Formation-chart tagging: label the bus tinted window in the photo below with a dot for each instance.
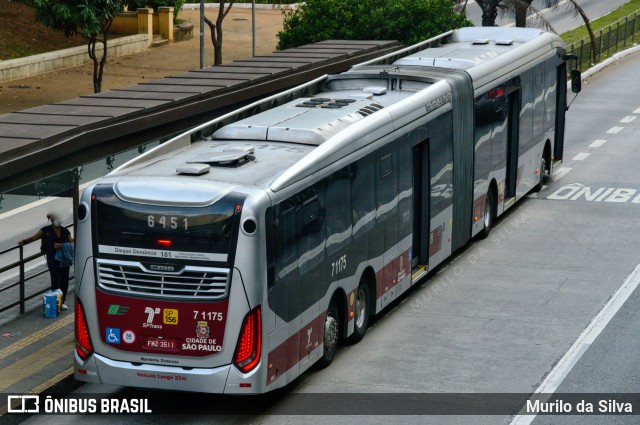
(364, 196)
(387, 187)
(286, 238)
(338, 217)
(120, 224)
(311, 223)
(441, 154)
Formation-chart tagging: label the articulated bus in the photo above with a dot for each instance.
(239, 254)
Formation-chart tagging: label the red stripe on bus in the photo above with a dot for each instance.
(295, 348)
(391, 274)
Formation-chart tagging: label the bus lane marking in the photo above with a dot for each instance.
(560, 173)
(615, 130)
(628, 119)
(578, 191)
(558, 374)
(597, 143)
(581, 156)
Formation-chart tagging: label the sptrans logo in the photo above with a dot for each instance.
(69, 405)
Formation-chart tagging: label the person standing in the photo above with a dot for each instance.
(53, 236)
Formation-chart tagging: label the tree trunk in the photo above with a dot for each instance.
(98, 80)
(489, 12)
(92, 54)
(521, 12)
(587, 23)
(216, 31)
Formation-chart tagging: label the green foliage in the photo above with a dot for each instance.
(86, 17)
(408, 21)
(91, 18)
(155, 4)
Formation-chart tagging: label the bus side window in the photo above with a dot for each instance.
(286, 233)
(538, 101)
(387, 184)
(363, 211)
(550, 81)
(338, 211)
(311, 223)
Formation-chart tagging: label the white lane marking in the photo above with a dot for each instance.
(597, 143)
(637, 111)
(628, 119)
(584, 341)
(614, 130)
(581, 156)
(561, 172)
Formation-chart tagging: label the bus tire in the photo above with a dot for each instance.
(543, 168)
(362, 312)
(489, 215)
(331, 335)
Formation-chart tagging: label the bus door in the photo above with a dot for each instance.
(421, 195)
(513, 130)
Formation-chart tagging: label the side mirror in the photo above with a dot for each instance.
(576, 81)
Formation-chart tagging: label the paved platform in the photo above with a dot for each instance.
(36, 353)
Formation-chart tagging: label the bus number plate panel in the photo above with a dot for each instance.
(161, 344)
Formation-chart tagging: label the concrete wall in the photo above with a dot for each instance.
(143, 21)
(15, 69)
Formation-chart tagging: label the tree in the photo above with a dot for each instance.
(89, 18)
(524, 6)
(408, 21)
(216, 30)
(489, 11)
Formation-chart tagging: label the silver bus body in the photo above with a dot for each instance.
(330, 199)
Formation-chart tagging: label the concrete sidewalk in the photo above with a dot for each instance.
(36, 353)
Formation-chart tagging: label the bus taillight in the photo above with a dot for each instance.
(249, 346)
(83, 341)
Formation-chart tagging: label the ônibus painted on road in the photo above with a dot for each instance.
(234, 257)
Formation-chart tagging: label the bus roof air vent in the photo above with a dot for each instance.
(323, 102)
(369, 109)
(480, 41)
(503, 42)
(375, 90)
(193, 169)
(227, 157)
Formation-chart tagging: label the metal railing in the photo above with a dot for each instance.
(608, 41)
(24, 277)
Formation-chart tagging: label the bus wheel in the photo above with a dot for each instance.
(362, 311)
(543, 167)
(488, 215)
(331, 335)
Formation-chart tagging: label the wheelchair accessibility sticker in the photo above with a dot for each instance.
(113, 336)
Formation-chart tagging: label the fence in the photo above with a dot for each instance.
(608, 41)
(21, 265)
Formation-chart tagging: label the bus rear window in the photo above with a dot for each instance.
(121, 224)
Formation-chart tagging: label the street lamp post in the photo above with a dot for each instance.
(201, 34)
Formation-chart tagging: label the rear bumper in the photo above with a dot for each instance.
(99, 369)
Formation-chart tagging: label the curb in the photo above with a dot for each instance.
(609, 61)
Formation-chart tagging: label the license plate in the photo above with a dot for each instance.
(160, 343)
